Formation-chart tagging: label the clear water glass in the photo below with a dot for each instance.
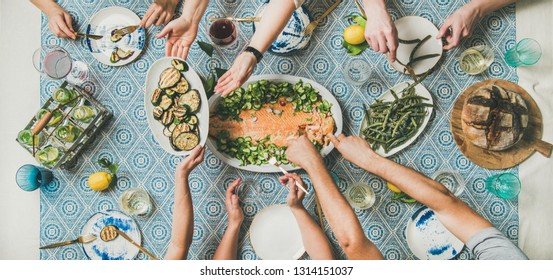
(451, 180)
(30, 177)
(526, 52)
(136, 201)
(476, 60)
(55, 63)
(360, 196)
(357, 71)
(505, 185)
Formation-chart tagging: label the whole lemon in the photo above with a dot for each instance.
(354, 34)
(393, 188)
(99, 181)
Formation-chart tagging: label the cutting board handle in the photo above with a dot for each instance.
(543, 147)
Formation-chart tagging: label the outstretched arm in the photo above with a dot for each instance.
(275, 17)
(228, 248)
(183, 213)
(340, 216)
(380, 30)
(60, 22)
(461, 23)
(315, 241)
(182, 31)
(452, 212)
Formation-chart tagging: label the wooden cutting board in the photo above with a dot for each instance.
(530, 142)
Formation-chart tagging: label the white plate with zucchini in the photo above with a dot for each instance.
(176, 106)
(397, 118)
(115, 50)
(254, 123)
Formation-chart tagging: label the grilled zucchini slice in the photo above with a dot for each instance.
(156, 96)
(180, 112)
(190, 99)
(192, 120)
(158, 112)
(124, 54)
(115, 37)
(173, 145)
(169, 77)
(182, 86)
(114, 58)
(167, 118)
(166, 102)
(167, 132)
(170, 92)
(186, 141)
(179, 65)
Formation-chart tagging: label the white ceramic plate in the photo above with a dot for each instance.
(152, 79)
(413, 27)
(387, 96)
(428, 239)
(267, 168)
(275, 234)
(117, 249)
(105, 21)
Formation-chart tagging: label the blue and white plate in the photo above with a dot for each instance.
(290, 39)
(117, 249)
(103, 23)
(428, 239)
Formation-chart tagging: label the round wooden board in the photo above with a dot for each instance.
(498, 159)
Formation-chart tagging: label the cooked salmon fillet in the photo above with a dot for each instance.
(280, 123)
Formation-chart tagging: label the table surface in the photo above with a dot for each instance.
(67, 204)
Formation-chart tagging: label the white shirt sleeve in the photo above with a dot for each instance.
(298, 3)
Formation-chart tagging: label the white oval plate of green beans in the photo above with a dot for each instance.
(397, 118)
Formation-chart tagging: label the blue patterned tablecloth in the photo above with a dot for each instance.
(67, 203)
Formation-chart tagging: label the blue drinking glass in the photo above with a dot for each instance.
(505, 185)
(526, 52)
(30, 177)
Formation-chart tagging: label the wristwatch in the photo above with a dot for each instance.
(258, 55)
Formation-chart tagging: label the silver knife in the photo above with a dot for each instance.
(125, 30)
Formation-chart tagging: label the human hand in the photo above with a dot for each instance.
(295, 194)
(380, 31)
(60, 22)
(302, 152)
(191, 161)
(180, 33)
(459, 25)
(239, 72)
(353, 148)
(235, 213)
(160, 12)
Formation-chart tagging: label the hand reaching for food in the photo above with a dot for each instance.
(60, 22)
(295, 194)
(180, 34)
(459, 25)
(235, 213)
(238, 74)
(160, 12)
(380, 31)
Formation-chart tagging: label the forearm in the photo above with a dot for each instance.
(194, 10)
(454, 214)
(272, 23)
(315, 241)
(340, 216)
(484, 7)
(372, 4)
(228, 248)
(183, 220)
(45, 5)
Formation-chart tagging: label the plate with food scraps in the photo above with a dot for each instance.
(111, 49)
(409, 115)
(116, 249)
(428, 239)
(176, 106)
(418, 45)
(254, 123)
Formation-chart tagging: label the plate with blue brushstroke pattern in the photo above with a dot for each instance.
(117, 249)
(428, 239)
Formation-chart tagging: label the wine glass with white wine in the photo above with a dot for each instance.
(476, 60)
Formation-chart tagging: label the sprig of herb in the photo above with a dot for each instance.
(214, 72)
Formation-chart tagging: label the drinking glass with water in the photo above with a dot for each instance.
(526, 52)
